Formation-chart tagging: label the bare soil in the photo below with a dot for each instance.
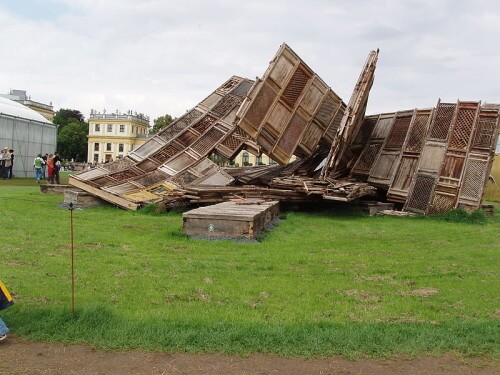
(18, 356)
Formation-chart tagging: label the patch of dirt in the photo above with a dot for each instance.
(21, 357)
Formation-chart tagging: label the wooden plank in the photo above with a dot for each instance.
(103, 194)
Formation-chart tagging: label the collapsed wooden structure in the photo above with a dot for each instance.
(427, 160)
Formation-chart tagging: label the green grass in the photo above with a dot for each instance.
(322, 282)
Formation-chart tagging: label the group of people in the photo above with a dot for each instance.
(47, 167)
(6, 162)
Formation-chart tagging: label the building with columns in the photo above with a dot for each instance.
(113, 135)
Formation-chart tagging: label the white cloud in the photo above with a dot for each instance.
(158, 57)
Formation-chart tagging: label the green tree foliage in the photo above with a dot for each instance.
(160, 123)
(71, 134)
(64, 116)
(72, 141)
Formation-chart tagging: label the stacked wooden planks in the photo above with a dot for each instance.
(232, 219)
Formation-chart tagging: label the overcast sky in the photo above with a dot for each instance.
(161, 56)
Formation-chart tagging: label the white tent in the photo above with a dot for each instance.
(27, 132)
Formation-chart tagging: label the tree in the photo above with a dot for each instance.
(160, 123)
(72, 141)
(64, 116)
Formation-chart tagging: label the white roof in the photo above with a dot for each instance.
(12, 108)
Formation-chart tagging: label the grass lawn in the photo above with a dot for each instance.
(323, 282)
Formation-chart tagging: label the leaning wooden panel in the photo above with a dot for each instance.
(337, 159)
(450, 174)
(471, 191)
(398, 191)
(480, 158)
(188, 140)
(385, 166)
(420, 195)
(285, 105)
(412, 147)
(369, 155)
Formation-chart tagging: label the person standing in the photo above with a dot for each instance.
(37, 164)
(50, 169)
(5, 301)
(11, 162)
(6, 162)
(44, 157)
(57, 167)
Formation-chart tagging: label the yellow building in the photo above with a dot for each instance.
(112, 136)
(492, 191)
(46, 110)
(245, 158)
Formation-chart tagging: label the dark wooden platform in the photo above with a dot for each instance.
(232, 219)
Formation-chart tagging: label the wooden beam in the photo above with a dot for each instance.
(123, 203)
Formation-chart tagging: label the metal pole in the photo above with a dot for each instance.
(72, 262)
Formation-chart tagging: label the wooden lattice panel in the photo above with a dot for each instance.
(179, 125)
(290, 137)
(442, 203)
(296, 85)
(398, 132)
(229, 85)
(202, 125)
(165, 154)
(332, 129)
(366, 159)
(421, 194)
(462, 129)
(485, 133)
(226, 104)
(242, 89)
(125, 174)
(473, 181)
(326, 111)
(152, 178)
(208, 142)
(416, 137)
(117, 165)
(235, 139)
(442, 121)
(258, 108)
